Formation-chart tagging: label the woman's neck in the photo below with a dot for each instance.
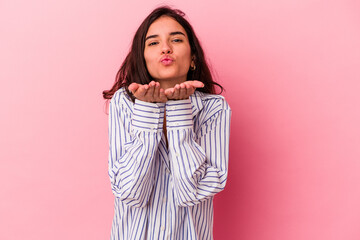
(169, 83)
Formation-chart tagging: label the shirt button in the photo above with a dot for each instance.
(162, 228)
(177, 124)
(176, 154)
(167, 171)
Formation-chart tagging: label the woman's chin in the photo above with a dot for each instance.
(171, 77)
(169, 81)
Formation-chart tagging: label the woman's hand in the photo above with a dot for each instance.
(183, 90)
(148, 93)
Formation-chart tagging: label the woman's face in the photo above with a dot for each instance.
(167, 51)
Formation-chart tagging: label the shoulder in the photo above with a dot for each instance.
(208, 108)
(120, 95)
(209, 102)
(121, 99)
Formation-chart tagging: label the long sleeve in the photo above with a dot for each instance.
(134, 135)
(199, 160)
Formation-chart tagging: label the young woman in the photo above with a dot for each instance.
(168, 135)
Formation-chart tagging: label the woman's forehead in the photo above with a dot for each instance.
(165, 25)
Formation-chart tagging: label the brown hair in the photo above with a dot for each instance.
(133, 69)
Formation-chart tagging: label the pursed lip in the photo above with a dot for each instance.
(166, 58)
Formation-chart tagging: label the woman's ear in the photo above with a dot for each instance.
(193, 58)
(192, 64)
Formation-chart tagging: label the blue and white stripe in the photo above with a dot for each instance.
(160, 192)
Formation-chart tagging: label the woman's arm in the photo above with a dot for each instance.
(199, 161)
(134, 136)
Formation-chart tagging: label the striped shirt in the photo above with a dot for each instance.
(167, 192)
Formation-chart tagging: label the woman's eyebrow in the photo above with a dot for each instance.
(171, 34)
(175, 33)
(151, 36)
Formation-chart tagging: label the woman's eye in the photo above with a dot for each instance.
(152, 43)
(177, 40)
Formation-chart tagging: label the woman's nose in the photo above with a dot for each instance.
(166, 49)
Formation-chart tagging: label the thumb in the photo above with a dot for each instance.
(197, 84)
(133, 87)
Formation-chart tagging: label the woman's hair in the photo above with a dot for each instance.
(134, 68)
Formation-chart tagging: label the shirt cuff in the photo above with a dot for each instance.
(179, 114)
(148, 116)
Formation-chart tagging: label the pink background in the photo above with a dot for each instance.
(292, 73)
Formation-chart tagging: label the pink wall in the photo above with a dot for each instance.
(291, 70)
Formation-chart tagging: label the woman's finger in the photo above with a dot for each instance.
(162, 95)
(150, 92)
(189, 89)
(176, 92)
(196, 84)
(182, 91)
(140, 93)
(169, 93)
(157, 91)
(133, 87)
